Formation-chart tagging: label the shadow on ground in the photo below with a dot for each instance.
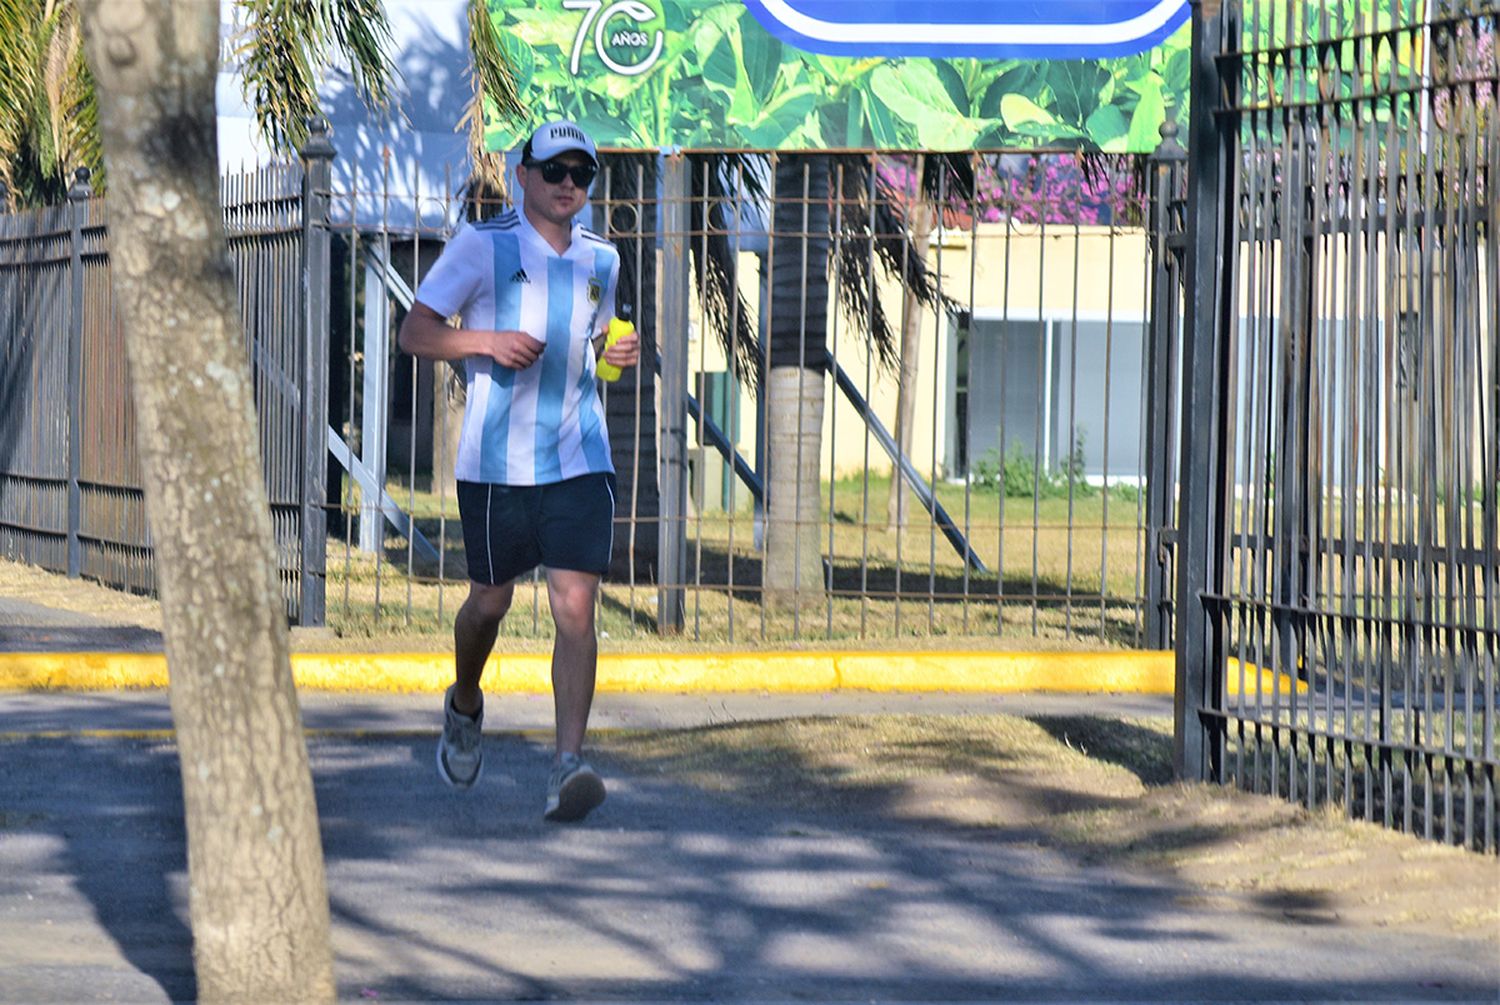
(676, 891)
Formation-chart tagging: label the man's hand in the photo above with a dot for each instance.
(515, 349)
(626, 352)
(425, 333)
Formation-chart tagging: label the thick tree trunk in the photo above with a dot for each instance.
(898, 501)
(795, 391)
(258, 901)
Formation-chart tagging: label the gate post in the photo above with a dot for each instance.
(1197, 749)
(317, 170)
(1165, 168)
(675, 221)
(78, 207)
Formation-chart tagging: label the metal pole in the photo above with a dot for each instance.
(1166, 303)
(78, 197)
(317, 160)
(373, 423)
(673, 341)
(1200, 643)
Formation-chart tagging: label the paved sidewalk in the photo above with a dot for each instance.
(57, 713)
(31, 627)
(666, 893)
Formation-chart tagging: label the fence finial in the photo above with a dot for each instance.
(318, 144)
(80, 188)
(1169, 149)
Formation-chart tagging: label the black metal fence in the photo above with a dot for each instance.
(70, 489)
(983, 336)
(1339, 582)
(1008, 391)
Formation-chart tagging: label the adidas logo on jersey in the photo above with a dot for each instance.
(520, 276)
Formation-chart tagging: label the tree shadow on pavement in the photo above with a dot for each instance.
(677, 891)
(110, 816)
(695, 881)
(1144, 752)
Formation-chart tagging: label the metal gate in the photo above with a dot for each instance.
(71, 498)
(1339, 560)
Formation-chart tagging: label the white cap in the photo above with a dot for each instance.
(553, 138)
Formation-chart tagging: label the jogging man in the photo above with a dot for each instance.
(535, 292)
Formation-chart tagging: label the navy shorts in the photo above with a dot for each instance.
(511, 529)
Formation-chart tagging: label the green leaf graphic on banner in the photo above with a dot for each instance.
(915, 94)
(1019, 111)
(1106, 126)
(706, 74)
(1150, 113)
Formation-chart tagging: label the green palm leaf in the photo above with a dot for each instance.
(47, 111)
(286, 43)
(49, 119)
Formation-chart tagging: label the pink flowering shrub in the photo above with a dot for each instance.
(1056, 189)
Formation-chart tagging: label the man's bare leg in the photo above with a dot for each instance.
(474, 630)
(575, 653)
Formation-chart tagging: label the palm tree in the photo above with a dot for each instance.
(834, 218)
(794, 388)
(48, 118)
(48, 115)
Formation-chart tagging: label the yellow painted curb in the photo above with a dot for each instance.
(1131, 671)
(81, 671)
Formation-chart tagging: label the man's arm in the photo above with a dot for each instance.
(425, 333)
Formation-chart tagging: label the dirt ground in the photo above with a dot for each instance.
(1101, 788)
(19, 581)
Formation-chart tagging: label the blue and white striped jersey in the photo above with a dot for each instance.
(545, 423)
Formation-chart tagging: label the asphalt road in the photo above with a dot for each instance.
(666, 893)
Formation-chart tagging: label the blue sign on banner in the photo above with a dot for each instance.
(986, 29)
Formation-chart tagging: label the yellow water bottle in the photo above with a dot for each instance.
(618, 329)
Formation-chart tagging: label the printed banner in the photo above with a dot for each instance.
(848, 74)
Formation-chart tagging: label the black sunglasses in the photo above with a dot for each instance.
(553, 172)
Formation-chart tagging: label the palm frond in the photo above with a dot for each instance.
(48, 118)
(494, 87)
(72, 111)
(724, 184)
(490, 72)
(948, 177)
(873, 228)
(285, 43)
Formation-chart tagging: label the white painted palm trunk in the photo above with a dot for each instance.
(794, 526)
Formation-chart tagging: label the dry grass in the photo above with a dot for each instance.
(888, 587)
(1099, 788)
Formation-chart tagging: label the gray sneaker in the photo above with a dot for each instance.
(573, 791)
(459, 756)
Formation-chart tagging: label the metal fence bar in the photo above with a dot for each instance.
(1355, 398)
(317, 159)
(78, 196)
(1016, 237)
(1200, 654)
(673, 339)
